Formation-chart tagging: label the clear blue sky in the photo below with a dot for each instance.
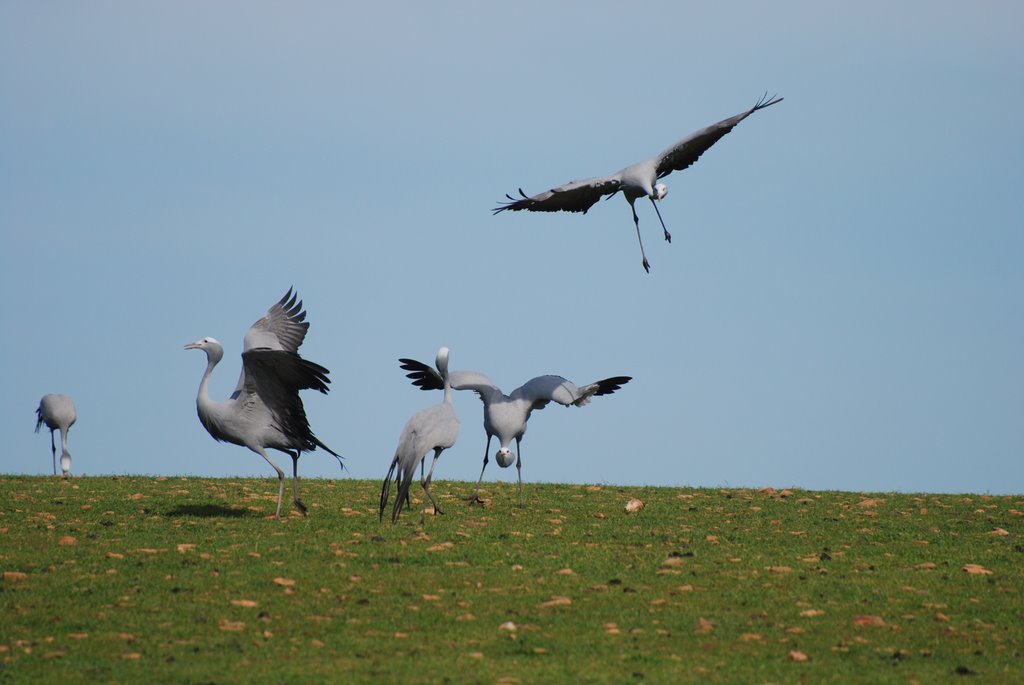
(842, 305)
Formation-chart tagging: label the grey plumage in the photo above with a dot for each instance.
(265, 410)
(506, 416)
(435, 428)
(58, 413)
(634, 181)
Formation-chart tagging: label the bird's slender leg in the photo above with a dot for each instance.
(636, 222)
(53, 449)
(280, 478)
(295, 482)
(408, 497)
(64, 451)
(519, 472)
(430, 476)
(668, 236)
(475, 499)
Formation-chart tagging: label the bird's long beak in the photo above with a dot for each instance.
(192, 346)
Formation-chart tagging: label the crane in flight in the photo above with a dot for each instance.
(505, 416)
(58, 413)
(265, 410)
(635, 181)
(434, 428)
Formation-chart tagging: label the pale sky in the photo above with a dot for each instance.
(842, 305)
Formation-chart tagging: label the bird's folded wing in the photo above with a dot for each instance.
(575, 196)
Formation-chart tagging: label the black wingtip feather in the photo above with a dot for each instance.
(386, 488)
(610, 385)
(422, 375)
(766, 101)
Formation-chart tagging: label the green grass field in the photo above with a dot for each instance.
(187, 580)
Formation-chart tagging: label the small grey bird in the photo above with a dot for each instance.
(505, 416)
(434, 428)
(635, 181)
(265, 410)
(58, 413)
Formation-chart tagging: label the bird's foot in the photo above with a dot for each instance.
(474, 499)
(668, 237)
(647, 266)
(438, 511)
(300, 506)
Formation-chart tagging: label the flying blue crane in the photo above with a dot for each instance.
(635, 181)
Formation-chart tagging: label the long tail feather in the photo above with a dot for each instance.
(385, 488)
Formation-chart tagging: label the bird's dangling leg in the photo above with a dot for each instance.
(636, 222)
(295, 483)
(53, 449)
(668, 236)
(475, 498)
(519, 472)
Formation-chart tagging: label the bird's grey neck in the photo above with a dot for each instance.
(205, 406)
(204, 384)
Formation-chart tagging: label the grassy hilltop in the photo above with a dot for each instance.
(186, 580)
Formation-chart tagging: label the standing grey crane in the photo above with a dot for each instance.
(58, 413)
(635, 181)
(265, 410)
(505, 416)
(434, 428)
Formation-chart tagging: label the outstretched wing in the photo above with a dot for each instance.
(426, 377)
(575, 196)
(543, 389)
(602, 387)
(689, 149)
(283, 327)
(275, 377)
